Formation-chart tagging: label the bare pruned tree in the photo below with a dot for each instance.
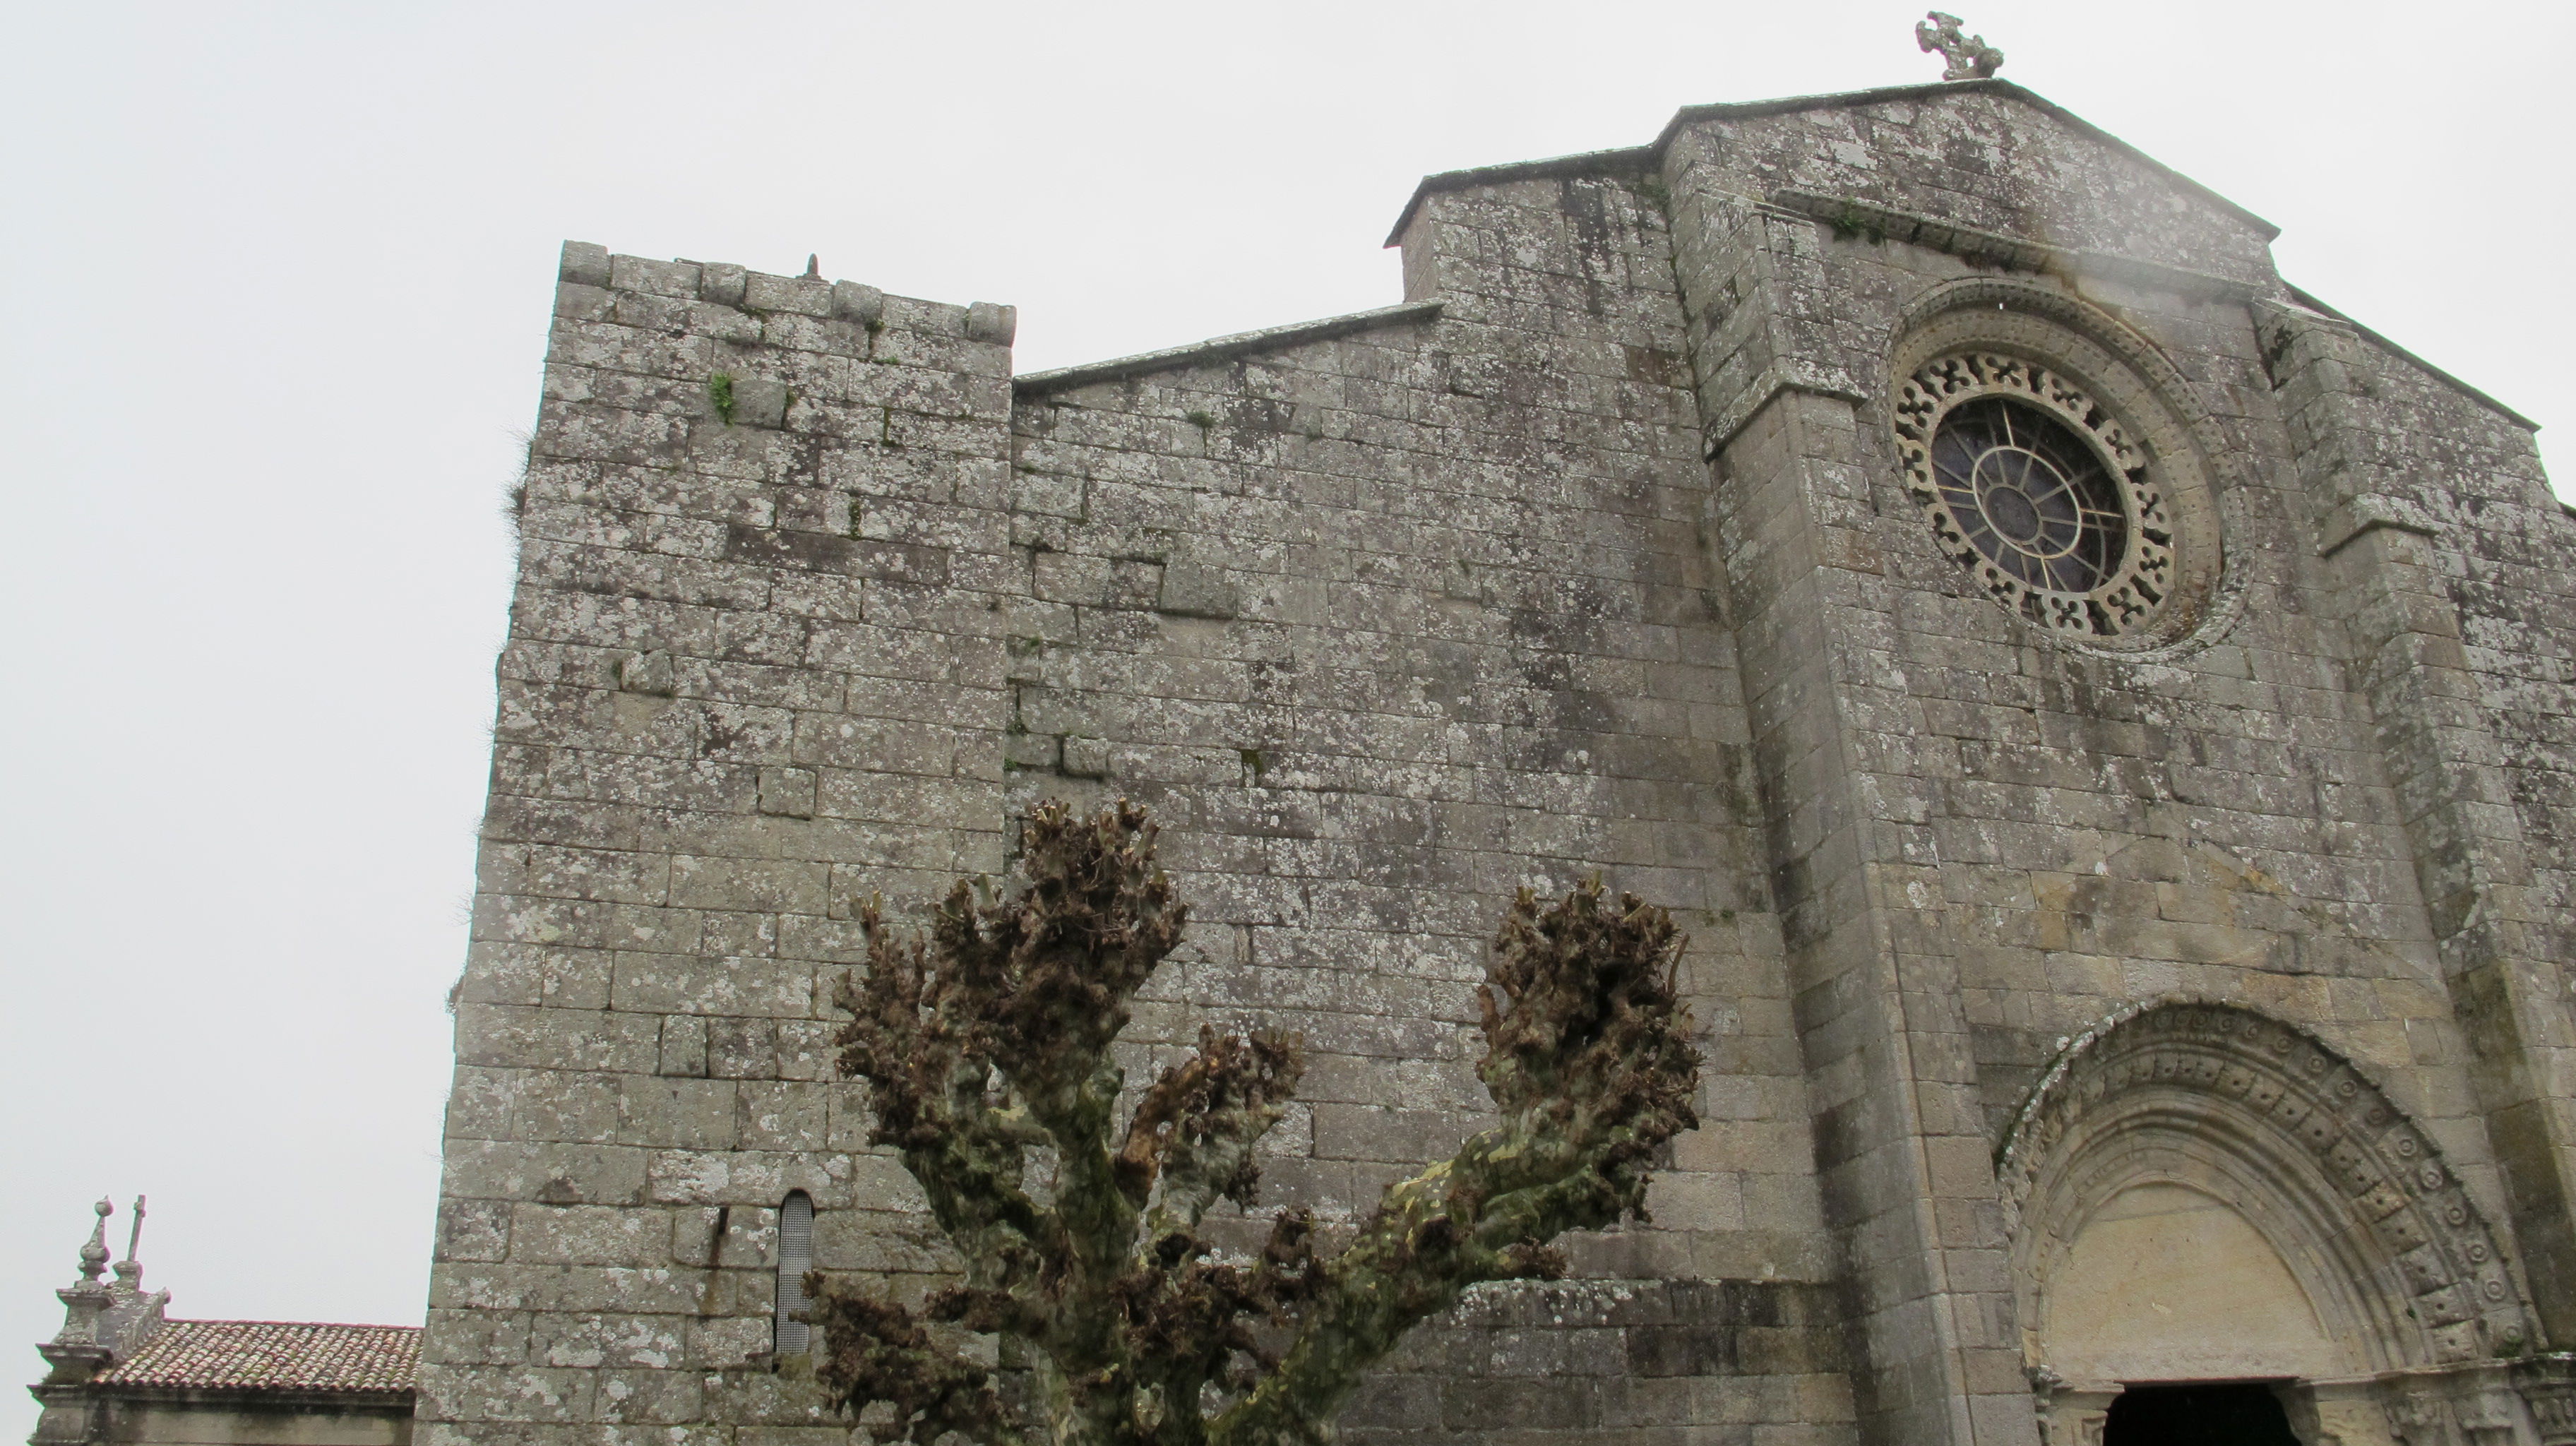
(990, 1038)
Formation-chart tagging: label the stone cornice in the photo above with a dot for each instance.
(2011, 252)
(1589, 163)
(1927, 91)
(1222, 348)
(1646, 157)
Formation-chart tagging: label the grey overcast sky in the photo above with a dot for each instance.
(274, 283)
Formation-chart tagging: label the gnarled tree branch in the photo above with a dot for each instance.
(993, 1037)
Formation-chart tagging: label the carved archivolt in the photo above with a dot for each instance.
(2301, 1142)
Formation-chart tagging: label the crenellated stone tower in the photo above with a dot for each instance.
(2104, 715)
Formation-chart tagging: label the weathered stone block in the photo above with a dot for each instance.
(853, 301)
(558, 1173)
(722, 284)
(755, 402)
(803, 295)
(654, 278)
(584, 264)
(788, 792)
(992, 323)
(684, 1046)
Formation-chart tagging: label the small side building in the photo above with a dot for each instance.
(121, 1372)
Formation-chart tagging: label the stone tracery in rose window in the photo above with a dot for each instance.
(2037, 491)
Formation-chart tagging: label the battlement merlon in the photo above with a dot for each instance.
(675, 319)
(690, 397)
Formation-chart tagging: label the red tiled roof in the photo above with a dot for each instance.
(267, 1355)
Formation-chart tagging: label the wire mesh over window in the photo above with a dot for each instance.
(2030, 496)
(795, 1257)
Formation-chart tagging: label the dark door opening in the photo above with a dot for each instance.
(2212, 1414)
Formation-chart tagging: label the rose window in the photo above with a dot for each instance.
(2037, 491)
(2031, 499)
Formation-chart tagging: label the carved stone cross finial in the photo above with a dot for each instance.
(129, 1271)
(1970, 57)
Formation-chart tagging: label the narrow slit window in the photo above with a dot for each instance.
(795, 1257)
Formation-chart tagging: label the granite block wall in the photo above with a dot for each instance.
(1592, 557)
(755, 670)
(1383, 626)
(1420, 617)
(1987, 841)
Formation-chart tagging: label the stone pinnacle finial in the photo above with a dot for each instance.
(1969, 56)
(75, 1352)
(814, 266)
(93, 1256)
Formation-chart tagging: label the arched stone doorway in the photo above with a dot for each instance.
(2197, 1193)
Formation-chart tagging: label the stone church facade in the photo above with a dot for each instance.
(2103, 716)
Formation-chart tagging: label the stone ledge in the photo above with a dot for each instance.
(1651, 155)
(1994, 249)
(1589, 163)
(1926, 90)
(586, 264)
(2370, 511)
(1778, 377)
(1222, 348)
